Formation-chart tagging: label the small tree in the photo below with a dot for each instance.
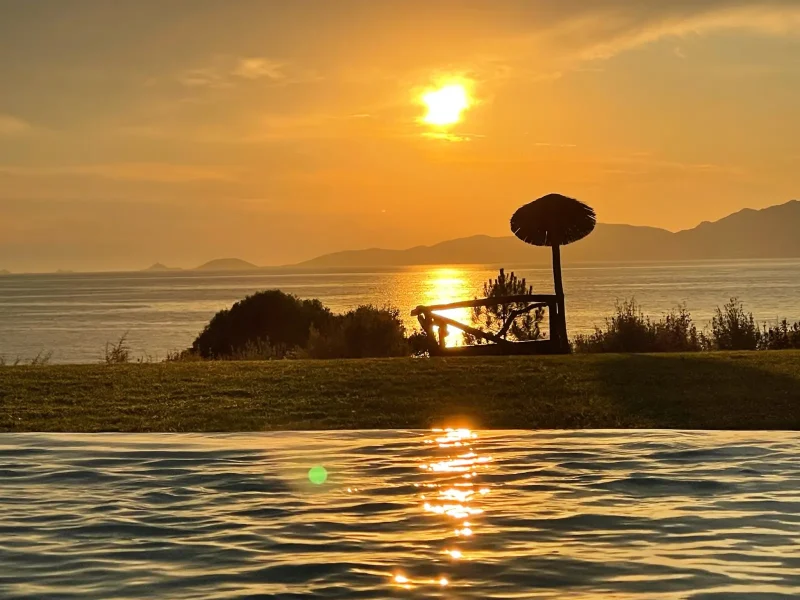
(524, 326)
(734, 329)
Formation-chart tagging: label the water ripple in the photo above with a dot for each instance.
(437, 514)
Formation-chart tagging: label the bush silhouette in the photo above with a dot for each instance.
(781, 336)
(419, 344)
(734, 329)
(629, 330)
(270, 318)
(366, 332)
(731, 328)
(273, 324)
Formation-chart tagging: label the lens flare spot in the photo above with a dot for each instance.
(317, 475)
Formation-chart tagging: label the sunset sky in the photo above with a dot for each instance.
(185, 130)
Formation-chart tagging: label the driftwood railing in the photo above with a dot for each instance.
(428, 319)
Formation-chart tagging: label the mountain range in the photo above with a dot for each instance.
(772, 232)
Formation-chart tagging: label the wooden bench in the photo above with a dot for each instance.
(498, 345)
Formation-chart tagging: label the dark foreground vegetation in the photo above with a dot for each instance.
(731, 328)
(711, 390)
(272, 324)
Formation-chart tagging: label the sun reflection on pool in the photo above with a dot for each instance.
(446, 496)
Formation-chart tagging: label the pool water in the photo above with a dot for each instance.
(402, 514)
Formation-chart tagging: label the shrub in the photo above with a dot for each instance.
(119, 353)
(525, 326)
(366, 332)
(260, 349)
(41, 359)
(734, 329)
(629, 330)
(731, 328)
(419, 344)
(676, 332)
(270, 318)
(187, 355)
(781, 336)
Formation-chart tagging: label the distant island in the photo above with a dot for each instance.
(5, 272)
(219, 264)
(161, 267)
(226, 264)
(767, 233)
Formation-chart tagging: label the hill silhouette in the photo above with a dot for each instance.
(161, 267)
(226, 264)
(767, 233)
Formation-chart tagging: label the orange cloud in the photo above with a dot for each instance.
(10, 125)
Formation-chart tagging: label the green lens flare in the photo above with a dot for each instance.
(317, 475)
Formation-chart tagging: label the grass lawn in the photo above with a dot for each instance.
(749, 390)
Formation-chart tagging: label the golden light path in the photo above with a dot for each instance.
(445, 104)
(446, 284)
(450, 492)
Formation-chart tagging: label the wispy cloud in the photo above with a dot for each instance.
(552, 39)
(271, 127)
(554, 145)
(259, 68)
(10, 125)
(143, 131)
(593, 166)
(642, 164)
(609, 30)
(575, 36)
(446, 137)
(225, 71)
(204, 77)
(154, 172)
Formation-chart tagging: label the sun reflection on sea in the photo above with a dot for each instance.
(451, 493)
(449, 284)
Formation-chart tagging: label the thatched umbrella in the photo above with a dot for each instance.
(554, 220)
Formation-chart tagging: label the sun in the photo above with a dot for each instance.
(445, 104)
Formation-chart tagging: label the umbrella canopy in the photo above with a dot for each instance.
(553, 220)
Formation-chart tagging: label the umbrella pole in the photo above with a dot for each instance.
(561, 321)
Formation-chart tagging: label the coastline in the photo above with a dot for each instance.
(710, 390)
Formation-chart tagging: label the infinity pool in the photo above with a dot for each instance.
(405, 514)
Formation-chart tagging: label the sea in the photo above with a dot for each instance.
(70, 317)
(455, 514)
